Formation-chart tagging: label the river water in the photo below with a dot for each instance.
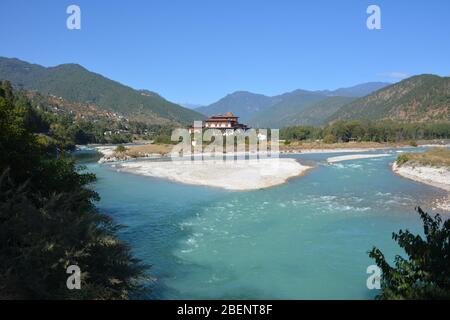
(306, 239)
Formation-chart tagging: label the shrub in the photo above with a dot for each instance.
(329, 138)
(437, 157)
(120, 149)
(402, 159)
(163, 139)
(425, 274)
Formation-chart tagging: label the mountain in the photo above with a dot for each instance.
(319, 112)
(292, 108)
(288, 105)
(191, 106)
(416, 99)
(359, 90)
(74, 83)
(242, 103)
(148, 93)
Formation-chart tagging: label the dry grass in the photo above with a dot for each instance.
(140, 151)
(436, 157)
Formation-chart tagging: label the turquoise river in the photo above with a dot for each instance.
(306, 239)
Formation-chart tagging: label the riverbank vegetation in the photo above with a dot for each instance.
(368, 131)
(436, 157)
(301, 146)
(148, 149)
(49, 221)
(65, 124)
(425, 273)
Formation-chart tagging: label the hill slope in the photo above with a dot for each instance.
(318, 113)
(359, 90)
(280, 110)
(74, 83)
(416, 99)
(289, 104)
(241, 103)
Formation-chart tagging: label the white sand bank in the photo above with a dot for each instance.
(433, 176)
(438, 177)
(231, 175)
(108, 154)
(355, 157)
(106, 150)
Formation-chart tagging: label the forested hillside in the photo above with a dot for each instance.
(317, 114)
(280, 114)
(416, 99)
(291, 108)
(241, 103)
(74, 83)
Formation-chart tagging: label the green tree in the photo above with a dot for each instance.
(7, 90)
(425, 274)
(48, 221)
(329, 138)
(120, 148)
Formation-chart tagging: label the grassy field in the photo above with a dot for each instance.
(436, 157)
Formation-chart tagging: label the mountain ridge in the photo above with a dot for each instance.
(241, 103)
(262, 110)
(419, 98)
(75, 83)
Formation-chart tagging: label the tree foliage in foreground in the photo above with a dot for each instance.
(48, 221)
(425, 274)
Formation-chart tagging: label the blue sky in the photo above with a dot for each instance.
(197, 51)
